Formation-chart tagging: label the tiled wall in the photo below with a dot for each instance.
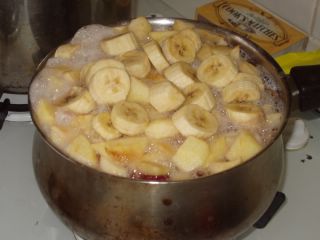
(305, 14)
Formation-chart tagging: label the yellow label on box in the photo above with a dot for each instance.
(268, 31)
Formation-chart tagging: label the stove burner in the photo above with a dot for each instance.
(6, 106)
(277, 202)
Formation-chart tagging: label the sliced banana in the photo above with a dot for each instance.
(193, 36)
(161, 128)
(245, 114)
(90, 69)
(211, 37)
(191, 154)
(201, 95)
(247, 67)
(241, 91)
(121, 29)
(218, 149)
(81, 103)
(83, 72)
(111, 166)
(81, 149)
(165, 97)
(204, 52)
(136, 63)
(123, 149)
(179, 25)
(66, 51)
(155, 56)
(109, 85)
(102, 124)
(273, 117)
(45, 112)
(217, 71)
(160, 36)
(244, 147)
(119, 44)
(141, 28)
(178, 48)
(181, 74)
(139, 91)
(129, 118)
(193, 120)
(151, 168)
(250, 77)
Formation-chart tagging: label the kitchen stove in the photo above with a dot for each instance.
(24, 213)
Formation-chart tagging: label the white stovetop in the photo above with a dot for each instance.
(25, 215)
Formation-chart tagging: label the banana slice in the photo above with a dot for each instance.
(250, 77)
(191, 154)
(119, 44)
(218, 149)
(161, 128)
(109, 165)
(245, 113)
(199, 94)
(136, 63)
(151, 168)
(81, 149)
(121, 29)
(179, 25)
(61, 136)
(210, 37)
(45, 112)
(139, 91)
(155, 56)
(192, 120)
(160, 36)
(81, 103)
(129, 118)
(217, 71)
(247, 67)
(165, 97)
(123, 149)
(244, 147)
(233, 53)
(140, 27)
(178, 48)
(204, 52)
(83, 72)
(193, 36)
(241, 91)
(109, 85)
(155, 76)
(102, 124)
(273, 117)
(91, 69)
(181, 74)
(66, 51)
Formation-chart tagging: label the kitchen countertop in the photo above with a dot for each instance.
(25, 215)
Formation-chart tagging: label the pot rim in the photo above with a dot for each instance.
(164, 20)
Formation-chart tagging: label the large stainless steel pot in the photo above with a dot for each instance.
(29, 29)
(100, 206)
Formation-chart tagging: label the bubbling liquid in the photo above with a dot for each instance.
(60, 80)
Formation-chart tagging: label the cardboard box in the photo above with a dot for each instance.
(270, 32)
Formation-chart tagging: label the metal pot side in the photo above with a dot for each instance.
(99, 206)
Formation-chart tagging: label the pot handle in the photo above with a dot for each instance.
(307, 80)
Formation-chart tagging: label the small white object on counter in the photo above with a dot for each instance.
(296, 135)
